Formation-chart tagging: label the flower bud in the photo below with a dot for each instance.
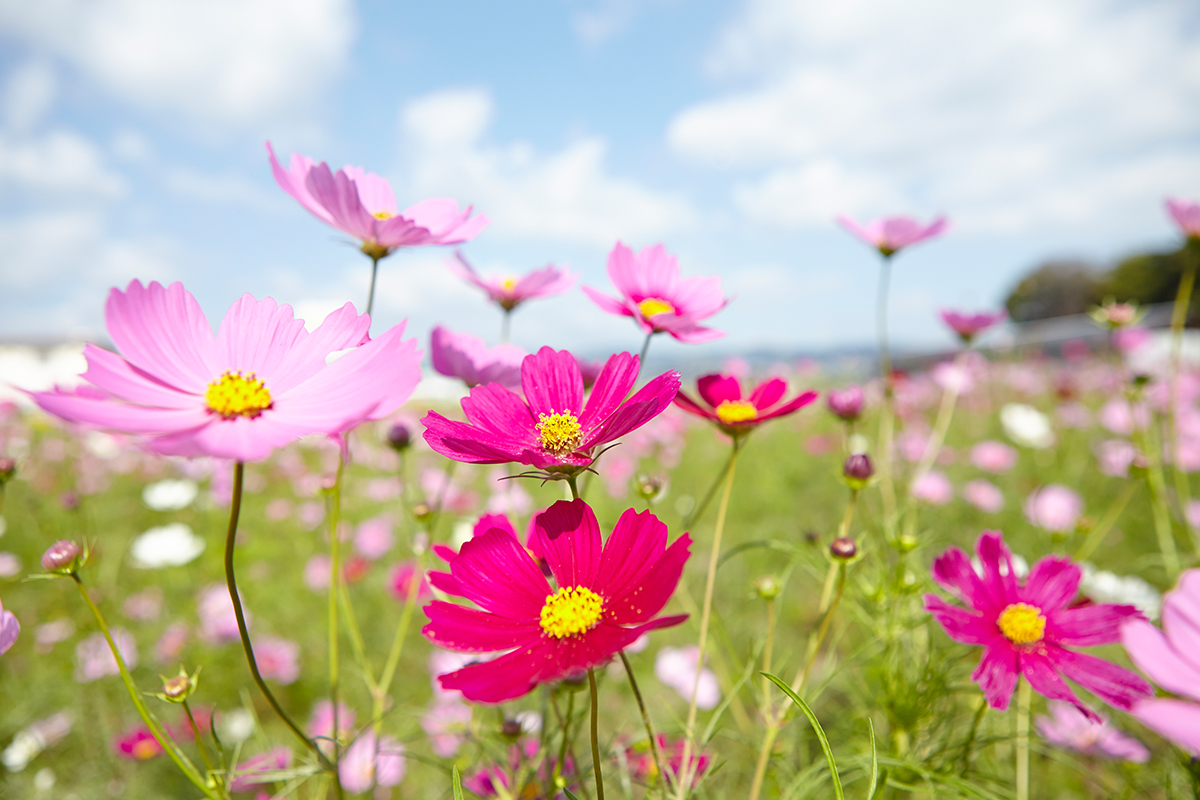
(846, 404)
(767, 587)
(1116, 315)
(510, 729)
(8, 468)
(178, 688)
(399, 438)
(843, 548)
(422, 510)
(858, 466)
(60, 556)
(651, 488)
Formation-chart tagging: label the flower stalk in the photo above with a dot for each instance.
(595, 735)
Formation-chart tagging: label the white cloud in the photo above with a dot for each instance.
(220, 188)
(28, 95)
(1008, 115)
(567, 196)
(59, 161)
(233, 61)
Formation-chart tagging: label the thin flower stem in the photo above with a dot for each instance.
(371, 291)
(699, 510)
(393, 660)
(595, 736)
(970, 744)
(333, 502)
(1024, 699)
(571, 481)
(231, 582)
(164, 740)
(565, 722)
(888, 422)
(356, 640)
(196, 734)
(637, 695)
(1183, 299)
(505, 325)
(767, 647)
(645, 349)
(1097, 534)
(685, 777)
(938, 436)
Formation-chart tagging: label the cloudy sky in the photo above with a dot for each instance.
(132, 131)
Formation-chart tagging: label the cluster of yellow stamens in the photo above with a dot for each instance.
(734, 411)
(653, 306)
(561, 433)
(237, 395)
(571, 611)
(383, 215)
(508, 284)
(1022, 623)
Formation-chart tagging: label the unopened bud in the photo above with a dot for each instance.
(60, 556)
(399, 438)
(176, 688)
(651, 488)
(858, 466)
(843, 548)
(846, 404)
(8, 468)
(510, 728)
(906, 543)
(421, 510)
(767, 587)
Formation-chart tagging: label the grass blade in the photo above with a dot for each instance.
(457, 779)
(874, 761)
(821, 737)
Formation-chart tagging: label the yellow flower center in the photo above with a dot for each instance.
(734, 411)
(508, 284)
(236, 395)
(383, 215)
(561, 433)
(571, 611)
(1022, 623)
(652, 306)
(145, 749)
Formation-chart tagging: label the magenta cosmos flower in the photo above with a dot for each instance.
(1186, 214)
(511, 291)
(657, 298)
(890, 235)
(466, 357)
(1026, 627)
(968, 326)
(1171, 657)
(551, 429)
(10, 629)
(362, 205)
(603, 599)
(260, 383)
(736, 413)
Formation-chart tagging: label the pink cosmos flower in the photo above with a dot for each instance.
(320, 724)
(551, 429)
(370, 762)
(171, 643)
(1115, 456)
(1186, 214)
(994, 457)
(466, 357)
(653, 293)
(984, 495)
(1171, 657)
(138, 744)
(1067, 727)
(445, 723)
(218, 622)
(278, 659)
(94, 659)
(968, 326)
(10, 628)
(846, 404)
(676, 667)
(607, 596)
(373, 537)
(890, 235)
(724, 406)
(260, 383)
(361, 204)
(641, 760)
(934, 488)
(1054, 507)
(253, 771)
(509, 292)
(400, 579)
(1026, 627)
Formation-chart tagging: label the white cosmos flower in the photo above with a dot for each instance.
(170, 495)
(168, 546)
(1108, 587)
(1026, 426)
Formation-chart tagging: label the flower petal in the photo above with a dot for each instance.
(462, 442)
(953, 571)
(997, 674)
(650, 401)
(469, 630)
(1153, 654)
(606, 303)
(1114, 685)
(496, 409)
(612, 386)
(1181, 617)
(341, 329)
(768, 393)
(642, 600)
(164, 333)
(1088, 625)
(1173, 719)
(255, 335)
(552, 383)
(717, 389)
(115, 375)
(506, 677)
(960, 624)
(636, 543)
(568, 538)
(494, 572)
(692, 407)
(1040, 669)
(1052, 583)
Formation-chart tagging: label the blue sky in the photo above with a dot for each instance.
(131, 145)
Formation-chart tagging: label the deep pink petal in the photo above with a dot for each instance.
(496, 574)
(1114, 685)
(606, 303)
(636, 543)
(641, 600)
(791, 406)
(692, 407)
(998, 574)
(164, 333)
(960, 624)
(1173, 719)
(568, 538)
(552, 383)
(768, 393)
(1088, 625)
(1152, 654)
(1040, 669)
(444, 581)
(494, 521)
(116, 376)
(1052, 583)
(650, 401)
(506, 677)
(997, 674)
(717, 389)
(612, 386)
(462, 442)
(493, 408)
(953, 571)
(469, 630)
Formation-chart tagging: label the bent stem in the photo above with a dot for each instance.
(685, 777)
(595, 736)
(637, 695)
(168, 745)
(231, 582)
(1097, 534)
(1024, 699)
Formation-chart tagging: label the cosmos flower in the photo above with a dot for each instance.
(934, 488)
(984, 495)
(1169, 657)
(253, 771)
(260, 383)
(641, 760)
(1067, 727)
(371, 762)
(10, 629)
(676, 667)
(166, 546)
(278, 659)
(509, 292)
(138, 744)
(846, 404)
(994, 457)
(468, 358)
(605, 598)
(551, 429)
(1026, 426)
(1054, 508)
(361, 204)
(890, 235)
(724, 404)
(1186, 214)
(1025, 627)
(170, 495)
(94, 659)
(968, 326)
(658, 299)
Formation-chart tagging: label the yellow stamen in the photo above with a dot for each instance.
(571, 611)
(733, 411)
(508, 284)
(383, 215)
(1022, 623)
(653, 306)
(145, 749)
(236, 395)
(561, 433)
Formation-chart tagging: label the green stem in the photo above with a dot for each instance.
(595, 736)
(505, 325)
(941, 426)
(767, 648)
(1178, 319)
(1024, 699)
(334, 513)
(565, 722)
(699, 510)
(571, 481)
(970, 744)
(887, 423)
(371, 291)
(393, 660)
(645, 349)
(637, 695)
(164, 741)
(1097, 534)
(196, 733)
(231, 582)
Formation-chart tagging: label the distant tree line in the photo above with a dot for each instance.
(1059, 288)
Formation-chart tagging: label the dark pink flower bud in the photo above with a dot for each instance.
(858, 467)
(846, 403)
(843, 548)
(399, 437)
(60, 556)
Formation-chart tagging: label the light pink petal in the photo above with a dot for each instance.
(697, 335)
(1181, 617)
(606, 303)
(1173, 719)
(115, 375)
(624, 273)
(568, 537)
(10, 629)
(164, 333)
(339, 196)
(255, 335)
(445, 223)
(1153, 655)
(469, 630)
(241, 438)
(374, 192)
(699, 297)
(340, 330)
(293, 180)
(494, 572)
(104, 413)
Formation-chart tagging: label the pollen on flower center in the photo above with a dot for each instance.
(1022, 623)
(237, 395)
(383, 215)
(145, 749)
(508, 284)
(733, 411)
(570, 611)
(652, 306)
(561, 433)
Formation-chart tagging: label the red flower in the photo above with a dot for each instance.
(722, 394)
(605, 598)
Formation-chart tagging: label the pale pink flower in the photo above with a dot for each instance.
(468, 358)
(250, 772)
(934, 488)
(994, 457)
(676, 667)
(278, 510)
(1054, 508)
(310, 515)
(145, 605)
(1121, 418)
(912, 442)
(373, 537)
(320, 724)
(218, 622)
(400, 579)
(1186, 214)
(968, 326)
(953, 377)
(1069, 727)
(10, 628)
(1131, 338)
(366, 764)
(1114, 457)
(511, 291)
(170, 644)
(441, 492)
(94, 659)
(316, 572)
(1193, 513)
(984, 495)
(1074, 415)
(890, 235)
(278, 659)
(380, 490)
(445, 722)
(10, 565)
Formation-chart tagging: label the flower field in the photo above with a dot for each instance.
(243, 562)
